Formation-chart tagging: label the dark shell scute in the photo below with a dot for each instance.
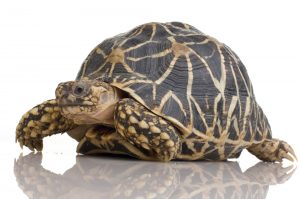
(160, 33)
(209, 52)
(190, 38)
(172, 108)
(149, 49)
(177, 77)
(178, 24)
(148, 66)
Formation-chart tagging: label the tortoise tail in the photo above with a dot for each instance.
(273, 150)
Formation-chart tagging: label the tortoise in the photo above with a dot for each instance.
(161, 91)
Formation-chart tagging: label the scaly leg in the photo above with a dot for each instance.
(41, 121)
(150, 133)
(100, 139)
(273, 150)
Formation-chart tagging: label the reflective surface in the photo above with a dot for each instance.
(108, 177)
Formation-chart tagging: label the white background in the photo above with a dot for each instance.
(43, 43)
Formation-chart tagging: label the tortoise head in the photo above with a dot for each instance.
(87, 101)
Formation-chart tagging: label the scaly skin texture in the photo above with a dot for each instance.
(42, 120)
(273, 150)
(151, 133)
(100, 139)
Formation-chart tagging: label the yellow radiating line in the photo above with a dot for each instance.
(132, 93)
(154, 91)
(139, 45)
(216, 101)
(84, 68)
(160, 54)
(223, 72)
(186, 26)
(217, 140)
(137, 32)
(85, 62)
(125, 84)
(167, 72)
(179, 103)
(140, 31)
(100, 52)
(247, 111)
(164, 100)
(99, 69)
(189, 88)
(167, 30)
(236, 86)
(166, 97)
(197, 43)
(153, 31)
(191, 34)
(235, 149)
(236, 126)
(190, 75)
(215, 81)
(128, 69)
(187, 30)
(229, 113)
(198, 108)
(236, 62)
(112, 68)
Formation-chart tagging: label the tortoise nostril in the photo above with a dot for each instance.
(78, 90)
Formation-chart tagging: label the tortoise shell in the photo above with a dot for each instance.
(183, 75)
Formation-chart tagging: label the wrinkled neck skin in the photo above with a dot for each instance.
(103, 117)
(88, 101)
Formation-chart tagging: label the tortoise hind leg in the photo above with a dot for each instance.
(42, 120)
(105, 140)
(149, 132)
(272, 150)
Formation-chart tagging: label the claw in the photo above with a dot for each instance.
(21, 144)
(288, 152)
(39, 145)
(32, 143)
(42, 120)
(287, 156)
(31, 148)
(273, 150)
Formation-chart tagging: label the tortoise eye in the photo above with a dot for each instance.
(78, 90)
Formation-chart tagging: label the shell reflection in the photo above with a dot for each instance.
(105, 177)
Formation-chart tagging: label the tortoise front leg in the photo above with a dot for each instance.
(101, 139)
(42, 120)
(147, 131)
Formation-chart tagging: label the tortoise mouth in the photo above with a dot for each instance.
(69, 109)
(75, 105)
(77, 102)
(79, 113)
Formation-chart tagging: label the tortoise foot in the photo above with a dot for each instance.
(273, 151)
(149, 132)
(41, 121)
